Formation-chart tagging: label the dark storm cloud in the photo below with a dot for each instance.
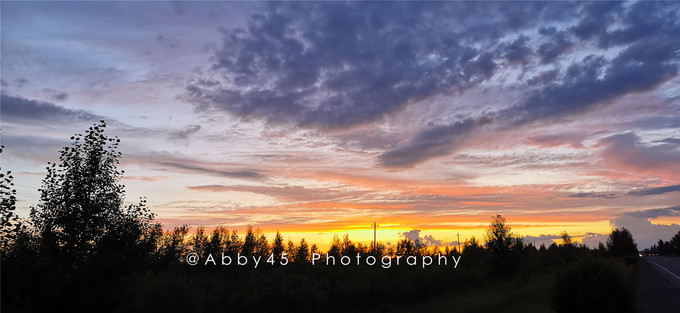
(655, 191)
(337, 65)
(654, 213)
(645, 20)
(595, 80)
(518, 51)
(582, 86)
(596, 17)
(557, 45)
(18, 108)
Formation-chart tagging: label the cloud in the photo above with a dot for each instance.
(654, 20)
(555, 47)
(428, 240)
(655, 191)
(546, 240)
(413, 235)
(592, 240)
(596, 17)
(22, 109)
(593, 195)
(572, 140)
(188, 166)
(439, 140)
(185, 133)
(670, 140)
(625, 152)
(641, 192)
(334, 66)
(338, 65)
(654, 213)
(644, 232)
(288, 193)
(56, 95)
(595, 80)
(20, 82)
(518, 51)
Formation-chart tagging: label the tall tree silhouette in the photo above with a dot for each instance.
(499, 239)
(261, 245)
(199, 241)
(249, 242)
(217, 242)
(81, 201)
(621, 243)
(302, 252)
(505, 248)
(277, 247)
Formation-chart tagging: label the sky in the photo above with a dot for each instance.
(319, 118)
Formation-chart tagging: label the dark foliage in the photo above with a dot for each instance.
(593, 285)
(81, 212)
(621, 243)
(10, 226)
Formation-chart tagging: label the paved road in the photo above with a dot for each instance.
(658, 285)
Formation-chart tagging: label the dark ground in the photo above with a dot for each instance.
(657, 289)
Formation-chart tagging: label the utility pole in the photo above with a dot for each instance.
(375, 244)
(457, 234)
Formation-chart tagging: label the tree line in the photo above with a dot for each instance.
(81, 242)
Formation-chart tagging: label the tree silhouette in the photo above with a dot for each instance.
(173, 246)
(234, 244)
(291, 250)
(249, 243)
(505, 248)
(9, 221)
(199, 241)
(302, 253)
(217, 242)
(81, 201)
(348, 247)
(336, 246)
(621, 243)
(261, 245)
(566, 239)
(674, 244)
(499, 239)
(277, 247)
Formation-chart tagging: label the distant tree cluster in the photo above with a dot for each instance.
(670, 247)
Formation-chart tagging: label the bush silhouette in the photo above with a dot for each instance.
(593, 285)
